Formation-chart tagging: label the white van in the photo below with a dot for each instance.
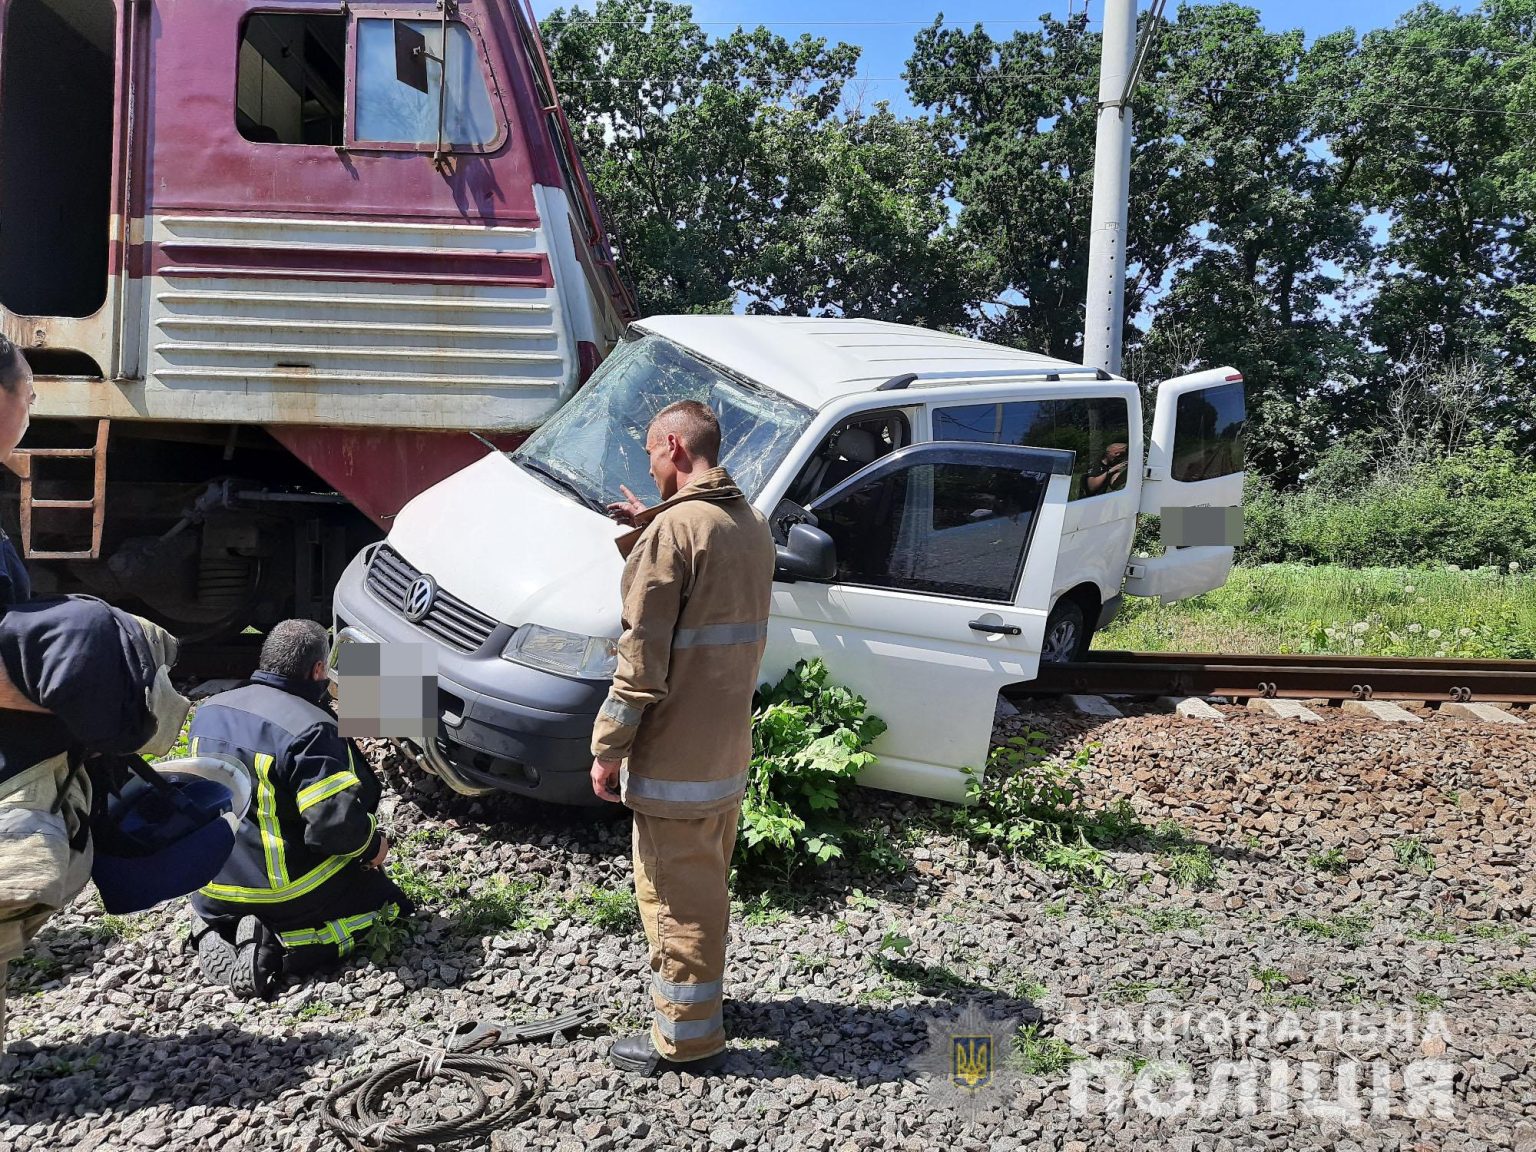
(949, 513)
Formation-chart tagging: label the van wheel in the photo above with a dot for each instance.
(1066, 634)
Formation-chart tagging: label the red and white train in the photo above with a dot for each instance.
(278, 267)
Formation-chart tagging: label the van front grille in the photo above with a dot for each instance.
(450, 619)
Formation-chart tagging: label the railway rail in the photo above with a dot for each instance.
(1152, 674)
(1312, 677)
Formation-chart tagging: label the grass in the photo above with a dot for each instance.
(1412, 855)
(501, 904)
(1519, 980)
(1189, 865)
(759, 911)
(1331, 861)
(610, 909)
(1503, 933)
(1285, 608)
(1429, 1000)
(1269, 978)
(1170, 919)
(1350, 930)
(1038, 1054)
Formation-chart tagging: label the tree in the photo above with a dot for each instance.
(732, 176)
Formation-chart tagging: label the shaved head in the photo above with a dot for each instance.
(695, 425)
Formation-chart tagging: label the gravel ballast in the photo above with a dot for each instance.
(1344, 903)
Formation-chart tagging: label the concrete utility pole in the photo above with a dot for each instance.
(1105, 315)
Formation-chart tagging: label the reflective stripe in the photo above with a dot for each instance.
(342, 933)
(681, 791)
(687, 993)
(621, 713)
(325, 789)
(236, 894)
(266, 820)
(192, 747)
(712, 634)
(676, 1030)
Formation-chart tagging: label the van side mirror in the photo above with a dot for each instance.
(809, 554)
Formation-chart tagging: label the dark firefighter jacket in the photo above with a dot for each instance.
(15, 584)
(93, 667)
(313, 799)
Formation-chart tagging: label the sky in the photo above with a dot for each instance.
(884, 30)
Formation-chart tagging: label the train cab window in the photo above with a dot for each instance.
(291, 78)
(398, 104)
(56, 127)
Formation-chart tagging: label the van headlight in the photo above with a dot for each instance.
(565, 653)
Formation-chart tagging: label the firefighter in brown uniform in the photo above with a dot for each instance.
(674, 738)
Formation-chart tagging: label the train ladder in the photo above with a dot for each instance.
(24, 463)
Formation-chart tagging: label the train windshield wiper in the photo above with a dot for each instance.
(565, 483)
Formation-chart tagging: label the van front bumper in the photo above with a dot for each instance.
(502, 726)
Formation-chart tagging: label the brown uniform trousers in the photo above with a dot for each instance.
(681, 872)
(698, 580)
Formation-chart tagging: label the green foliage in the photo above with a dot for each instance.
(1189, 865)
(612, 910)
(1330, 861)
(1473, 508)
(1036, 1053)
(808, 744)
(498, 905)
(732, 168)
(1517, 980)
(1032, 805)
(1485, 614)
(1413, 855)
(1350, 930)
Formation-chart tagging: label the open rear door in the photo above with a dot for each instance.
(1193, 480)
(945, 557)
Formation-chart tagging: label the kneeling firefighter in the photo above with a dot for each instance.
(83, 687)
(305, 882)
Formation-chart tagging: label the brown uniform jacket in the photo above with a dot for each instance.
(698, 579)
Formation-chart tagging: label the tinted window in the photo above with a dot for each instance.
(951, 529)
(391, 111)
(290, 77)
(1208, 433)
(1096, 428)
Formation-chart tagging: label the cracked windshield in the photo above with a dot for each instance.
(597, 441)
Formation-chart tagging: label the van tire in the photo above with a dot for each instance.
(1066, 634)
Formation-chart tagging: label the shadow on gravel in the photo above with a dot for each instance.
(861, 1044)
(127, 1072)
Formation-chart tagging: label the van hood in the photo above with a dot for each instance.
(513, 547)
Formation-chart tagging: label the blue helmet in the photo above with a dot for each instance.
(168, 830)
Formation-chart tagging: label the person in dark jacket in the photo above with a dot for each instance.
(16, 397)
(305, 882)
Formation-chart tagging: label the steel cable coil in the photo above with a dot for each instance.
(357, 1110)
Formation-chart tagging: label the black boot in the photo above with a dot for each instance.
(637, 1054)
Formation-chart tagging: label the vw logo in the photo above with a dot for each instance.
(419, 597)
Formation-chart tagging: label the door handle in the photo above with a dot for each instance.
(996, 629)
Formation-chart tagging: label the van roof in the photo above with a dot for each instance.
(816, 360)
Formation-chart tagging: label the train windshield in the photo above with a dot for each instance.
(596, 443)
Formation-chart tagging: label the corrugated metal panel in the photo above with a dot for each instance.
(355, 322)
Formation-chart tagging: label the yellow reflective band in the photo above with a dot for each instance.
(325, 789)
(236, 894)
(341, 933)
(266, 820)
(373, 826)
(192, 748)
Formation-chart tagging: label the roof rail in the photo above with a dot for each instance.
(897, 383)
(1047, 375)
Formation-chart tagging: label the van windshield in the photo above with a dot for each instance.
(597, 441)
